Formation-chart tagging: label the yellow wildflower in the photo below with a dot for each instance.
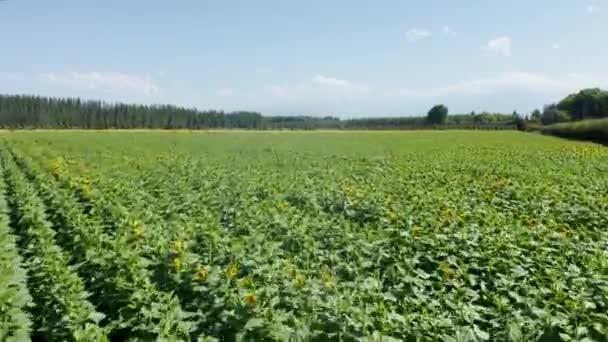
(85, 188)
(232, 271)
(326, 276)
(178, 246)
(447, 271)
(563, 232)
(178, 264)
(283, 206)
(392, 217)
(292, 272)
(56, 166)
(245, 282)
(201, 273)
(251, 299)
(138, 232)
(300, 280)
(349, 190)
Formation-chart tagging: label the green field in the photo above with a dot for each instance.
(372, 236)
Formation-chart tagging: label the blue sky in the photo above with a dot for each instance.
(346, 58)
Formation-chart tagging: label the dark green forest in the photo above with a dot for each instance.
(586, 104)
(580, 116)
(30, 112)
(40, 112)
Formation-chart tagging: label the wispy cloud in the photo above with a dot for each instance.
(103, 81)
(331, 81)
(331, 94)
(507, 81)
(319, 86)
(448, 31)
(500, 46)
(225, 92)
(416, 34)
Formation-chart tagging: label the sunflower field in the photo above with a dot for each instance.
(302, 236)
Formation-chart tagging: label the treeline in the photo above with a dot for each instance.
(301, 122)
(586, 104)
(473, 120)
(41, 112)
(458, 121)
(581, 116)
(23, 112)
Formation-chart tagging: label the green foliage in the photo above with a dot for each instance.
(41, 112)
(586, 104)
(19, 112)
(594, 130)
(301, 122)
(62, 309)
(15, 300)
(483, 120)
(521, 123)
(119, 281)
(552, 114)
(370, 236)
(437, 115)
(535, 117)
(386, 123)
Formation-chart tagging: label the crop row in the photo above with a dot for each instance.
(62, 309)
(116, 275)
(15, 300)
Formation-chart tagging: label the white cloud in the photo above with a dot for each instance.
(500, 46)
(590, 9)
(319, 87)
(322, 94)
(507, 81)
(555, 46)
(331, 81)
(276, 90)
(103, 81)
(415, 34)
(448, 31)
(225, 92)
